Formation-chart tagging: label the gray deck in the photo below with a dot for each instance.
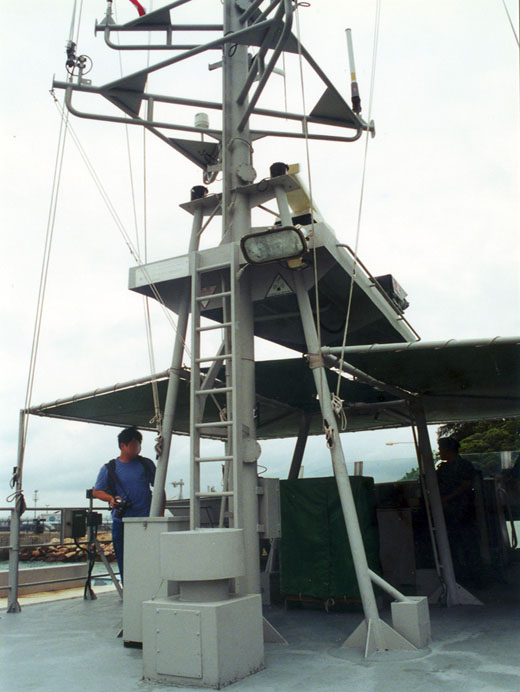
(73, 644)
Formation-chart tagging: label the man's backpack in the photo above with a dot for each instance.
(149, 470)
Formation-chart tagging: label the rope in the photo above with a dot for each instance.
(363, 177)
(337, 407)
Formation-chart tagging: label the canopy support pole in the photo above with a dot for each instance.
(455, 594)
(372, 634)
(156, 508)
(14, 536)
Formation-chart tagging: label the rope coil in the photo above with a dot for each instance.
(159, 441)
(337, 407)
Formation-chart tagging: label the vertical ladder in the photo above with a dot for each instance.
(202, 384)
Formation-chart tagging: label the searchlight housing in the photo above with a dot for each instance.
(277, 244)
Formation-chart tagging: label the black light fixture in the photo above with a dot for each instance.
(198, 192)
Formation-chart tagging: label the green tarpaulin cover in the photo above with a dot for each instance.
(315, 557)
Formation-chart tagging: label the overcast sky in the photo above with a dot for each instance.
(440, 210)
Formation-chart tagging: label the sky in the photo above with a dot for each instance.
(439, 211)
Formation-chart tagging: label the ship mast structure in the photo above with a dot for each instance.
(232, 288)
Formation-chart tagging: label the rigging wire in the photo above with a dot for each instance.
(511, 23)
(308, 163)
(115, 216)
(73, 20)
(284, 82)
(145, 299)
(377, 23)
(47, 249)
(49, 235)
(327, 429)
(79, 19)
(148, 321)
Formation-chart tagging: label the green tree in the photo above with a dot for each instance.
(411, 475)
(480, 441)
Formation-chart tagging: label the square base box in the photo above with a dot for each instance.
(412, 620)
(210, 644)
(142, 569)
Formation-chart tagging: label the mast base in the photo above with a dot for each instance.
(271, 634)
(460, 596)
(365, 637)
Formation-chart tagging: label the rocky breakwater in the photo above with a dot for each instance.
(65, 552)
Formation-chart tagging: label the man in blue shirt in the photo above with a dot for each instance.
(125, 484)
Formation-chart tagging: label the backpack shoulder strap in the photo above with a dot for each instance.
(149, 468)
(112, 477)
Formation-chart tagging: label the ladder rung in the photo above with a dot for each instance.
(210, 296)
(200, 460)
(215, 390)
(225, 493)
(211, 359)
(216, 424)
(212, 267)
(214, 326)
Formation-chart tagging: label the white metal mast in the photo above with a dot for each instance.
(267, 26)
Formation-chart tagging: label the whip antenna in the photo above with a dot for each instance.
(356, 100)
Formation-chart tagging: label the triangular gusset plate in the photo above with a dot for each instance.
(126, 93)
(202, 154)
(157, 18)
(257, 38)
(332, 109)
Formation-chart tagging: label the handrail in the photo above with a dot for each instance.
(58, 581)
(16, 546)
(52, 509)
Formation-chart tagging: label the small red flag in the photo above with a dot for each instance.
(140, 8)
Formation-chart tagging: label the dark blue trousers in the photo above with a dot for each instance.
(118, 541)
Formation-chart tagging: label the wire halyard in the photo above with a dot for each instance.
(51, 219)
(131, 248)
(157, 418)
(363, 178)
(49, 236)
(308, 162)
(337, 403)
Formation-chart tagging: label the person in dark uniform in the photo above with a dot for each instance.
(455, 477)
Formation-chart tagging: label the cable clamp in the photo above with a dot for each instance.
(329, 434)
(315, 360)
